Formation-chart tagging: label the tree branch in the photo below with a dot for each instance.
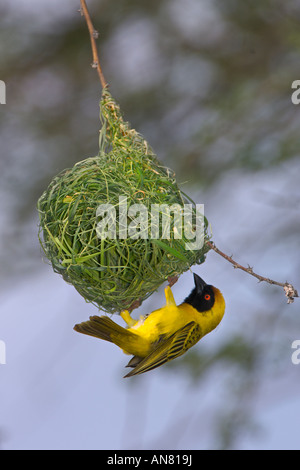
(289, 290)
(93, 36)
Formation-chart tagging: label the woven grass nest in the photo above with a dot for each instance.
(115, 272)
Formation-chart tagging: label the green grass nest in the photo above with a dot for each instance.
(113, 273)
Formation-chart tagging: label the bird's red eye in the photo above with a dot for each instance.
(207, 297)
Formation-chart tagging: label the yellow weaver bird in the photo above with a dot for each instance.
(165, 333)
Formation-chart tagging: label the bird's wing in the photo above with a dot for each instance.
(169, 349)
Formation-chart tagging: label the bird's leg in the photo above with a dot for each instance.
(169, 296)
(127, 318)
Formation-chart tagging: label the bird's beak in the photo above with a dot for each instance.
(199, 283)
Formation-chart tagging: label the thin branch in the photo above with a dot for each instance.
(289, 290)
(93, 36)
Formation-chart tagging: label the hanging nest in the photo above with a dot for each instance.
(115, 272)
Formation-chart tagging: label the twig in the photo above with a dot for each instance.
(93, 36)
(289, 290)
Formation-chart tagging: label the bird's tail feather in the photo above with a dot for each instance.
(100, 327)
(104, 328)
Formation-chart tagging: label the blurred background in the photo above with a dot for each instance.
(208, 84)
